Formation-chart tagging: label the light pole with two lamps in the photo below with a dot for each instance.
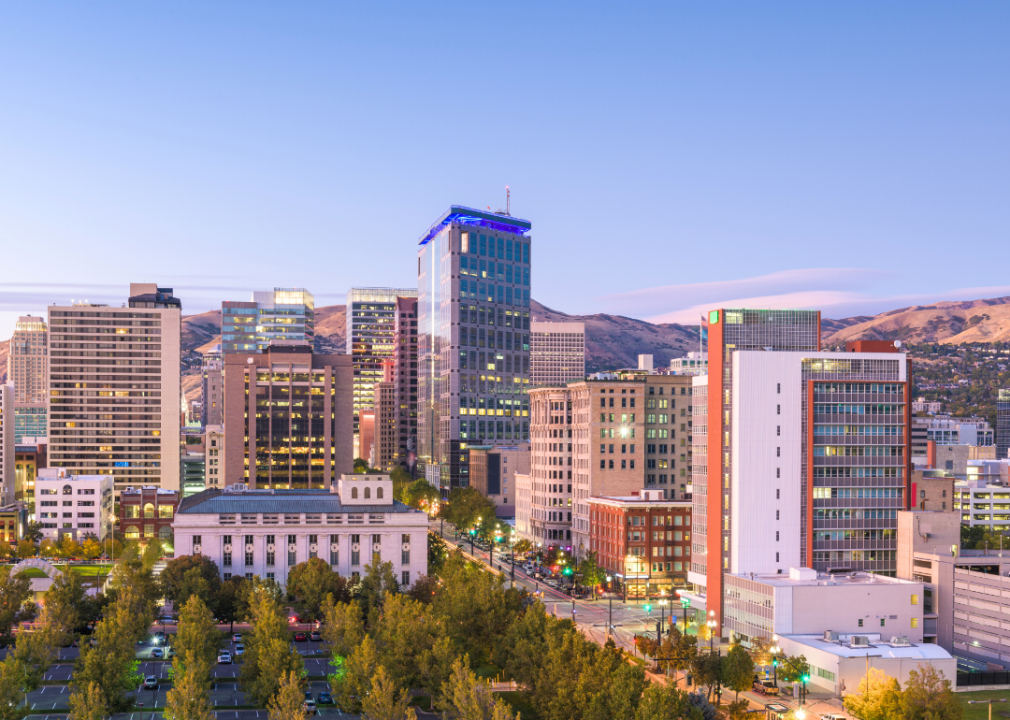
(712, 624)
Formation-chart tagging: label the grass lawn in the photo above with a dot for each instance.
(86, 570)
(487, 672)
(981, 712)
(520, 702)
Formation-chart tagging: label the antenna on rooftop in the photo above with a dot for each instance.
(508, 201)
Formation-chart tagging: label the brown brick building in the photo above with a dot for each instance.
(288, 421)
(643, 541)
(147, 512)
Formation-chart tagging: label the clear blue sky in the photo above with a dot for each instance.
(849, 155)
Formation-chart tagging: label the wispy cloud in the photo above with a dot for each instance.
(836, 292)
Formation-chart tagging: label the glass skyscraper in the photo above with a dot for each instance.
(1002, 423)
(473, 339)
(280, 314)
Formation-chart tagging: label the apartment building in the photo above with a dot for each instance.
(405, 381)
(114, 384)
(280, 315)
(385, 425)
(694, 363)
(8, 476)
(265, 533)
(494, 471)
(213, 441)
(287, 418)
(982, 504)
(557, 353)
(28, 365)
(211, 388)
(642, 540)
(1002, 423)
(75, 505)
(473, 339)
(147, 512)
(948, 430)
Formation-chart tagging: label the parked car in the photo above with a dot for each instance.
(309, 707)
(314, 636)
(224, 658)
(157, 653)
(150, 683)
(239, 650)
(324, 698)
(236, 638)
(766, 687)
(301, 637)
(308, 694)
(166, 620)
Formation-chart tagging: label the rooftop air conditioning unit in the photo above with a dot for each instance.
(830, 636)
(859, 641)
(900, 641)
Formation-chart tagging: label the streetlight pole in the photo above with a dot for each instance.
(983, 702)
(711, 630)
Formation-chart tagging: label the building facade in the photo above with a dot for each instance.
(147, 512)
(947, 430)
(493, 472)
(694, 363)
(213, 441)
(1002, 423)
(405, 380)
(212, 388)
(114, 384)
(282, 315)
(643, 540)
(267, 532)
(557, 353)
(371, 339)
(29, 458)
(385, 425)
(287, 418)
(473, 339)
(29, 371)
(981, 504)
(75, 505)
(8, 476)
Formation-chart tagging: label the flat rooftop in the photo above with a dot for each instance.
(823, 579)
(214, 502)
(479, 218)
(881, 647)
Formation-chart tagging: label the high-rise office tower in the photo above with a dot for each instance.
(114, 388)
(557, 353)
(370, 338)
(211, 389)
(281, 314)
(473, 338)
(1002, 424)
(807, 453)
(405, 382)
(384, 444)
(287, 418)
(29, 362)
(7, 442)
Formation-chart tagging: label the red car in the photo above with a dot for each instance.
(300, 637)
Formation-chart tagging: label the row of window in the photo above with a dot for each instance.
(486, 293)
(859, 430)
(485, 245)
(489, 270)
(829, 493)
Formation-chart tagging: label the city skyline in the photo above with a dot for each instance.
(829, 157)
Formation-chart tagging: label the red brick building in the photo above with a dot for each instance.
(146, 512)
(642, 541)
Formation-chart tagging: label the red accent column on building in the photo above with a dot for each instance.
(809, 559)
(713, 520)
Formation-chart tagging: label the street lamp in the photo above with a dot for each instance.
(610, 612)
(628, 559)
(775, 650)
(711, 629)
(685, 603)
(662, 618)
(979, 702)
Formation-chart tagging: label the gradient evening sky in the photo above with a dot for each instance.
(851, 156)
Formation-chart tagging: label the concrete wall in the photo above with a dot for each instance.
(925, 532)
(817, 608)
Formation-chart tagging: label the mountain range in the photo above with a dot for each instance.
(614, 341)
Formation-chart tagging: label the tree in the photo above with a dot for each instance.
(707, 670)
(738, 670)
(231, 603)
(110, 664)
(49, 549)
(188, 698)
(135, 589)
(438, 551)
(269, 656)
(360, 465)
(794, 668)
(378, 580)
(738, 710)
(64, 601)
(435, 666)
(343, 627)
(407, 630)
(424, 588)
(197, 640)
(89, 703)
(152, 553)
(666, 702)
(68, 548)
(420, 494)
(470, 699)
(928, 696)
(353, 680)
(465, 506)
(91, 548)
(760, 650)
(310, 582)
(177, 586)
(590, 571)
(523, 546)
(26, 549)
(6, 550)
(35, 651)
(878, 697)
(16, 606)
(33, 532)
(289, 702)
(386, 701)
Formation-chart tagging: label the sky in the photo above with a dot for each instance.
(671, 156)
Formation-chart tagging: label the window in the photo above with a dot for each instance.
(915, 622)
(334, 557)
(881, 622)
(354, 493)
(405, 578)
(378, 493)
(165, 512)
(915, 599)
(860, 622)
(291, 558)
(248, 559)
(368, 493)
(271, 557)
(198, 540)
(227, 559)
(405, 557)
(149, 510)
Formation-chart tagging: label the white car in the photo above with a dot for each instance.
(239, 650)
(236, 638)
(309, 706)
(224, 658)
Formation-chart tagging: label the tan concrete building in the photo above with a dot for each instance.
(7, 474)
(933, 491)
(524, 506)
(385, 425)
(28, 365)
(215, 467)
(557, 353)
(114, 384)
(493, 472)
(287, 418)
(211, 388)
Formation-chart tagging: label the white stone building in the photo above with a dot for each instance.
(557, 352)
(73, 505)
(266, 532)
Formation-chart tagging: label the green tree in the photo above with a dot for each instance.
(435, 666)
(230, 604)
(438, 551)
(424, 588)
(738, 670)
(269, 656)
(289, 702)
(385, 701)
(360, 465)
(707, 671)
(666, 702)
(407, 630)
(523, 546)
(69, 548)
(590, 571)
(420, 494)
(35, 651)
(738, 710)
(467, 698)
(89, 703)
(196, 642)
(110, 664)
(26, 549)
(352, 681)
(177, 582)
(91, 548)
(16, 605)
(794, 668)
(928, 696)
(377, 582)
(465, 506)
(49, 549)
(760, 650)
(310, 582)
(878, 697)
(135, 589)
(33, 532)
(343, 628)
(6, 550)
(188, 699)
(64, 601)
(152, 553)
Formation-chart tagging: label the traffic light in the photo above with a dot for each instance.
(648, 608)
(806, 678)
(775, 662)
(473, 531)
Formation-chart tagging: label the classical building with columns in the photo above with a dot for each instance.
(266, 532)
